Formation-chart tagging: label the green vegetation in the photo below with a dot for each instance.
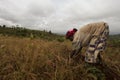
(23, 32)
(114, 40)
(38, 55)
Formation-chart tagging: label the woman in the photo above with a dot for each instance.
(94, 36)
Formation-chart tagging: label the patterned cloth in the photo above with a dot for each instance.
(97, 45)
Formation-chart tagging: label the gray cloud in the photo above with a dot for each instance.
(60, 15)
(41, 9)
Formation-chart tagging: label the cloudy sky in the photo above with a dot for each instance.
(60, 15)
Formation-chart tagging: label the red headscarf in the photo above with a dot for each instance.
(70, 33)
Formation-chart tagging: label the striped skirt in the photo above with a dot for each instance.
(96, 46)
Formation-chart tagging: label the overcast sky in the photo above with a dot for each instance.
(60, 15)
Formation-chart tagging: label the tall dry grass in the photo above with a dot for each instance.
(36, 59)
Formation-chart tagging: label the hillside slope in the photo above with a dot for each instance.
(24, 32)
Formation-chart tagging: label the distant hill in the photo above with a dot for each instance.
(114, 40)
(24, 32)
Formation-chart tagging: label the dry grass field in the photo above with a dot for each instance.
(38, 59)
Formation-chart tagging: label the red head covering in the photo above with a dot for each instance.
(70, 33)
